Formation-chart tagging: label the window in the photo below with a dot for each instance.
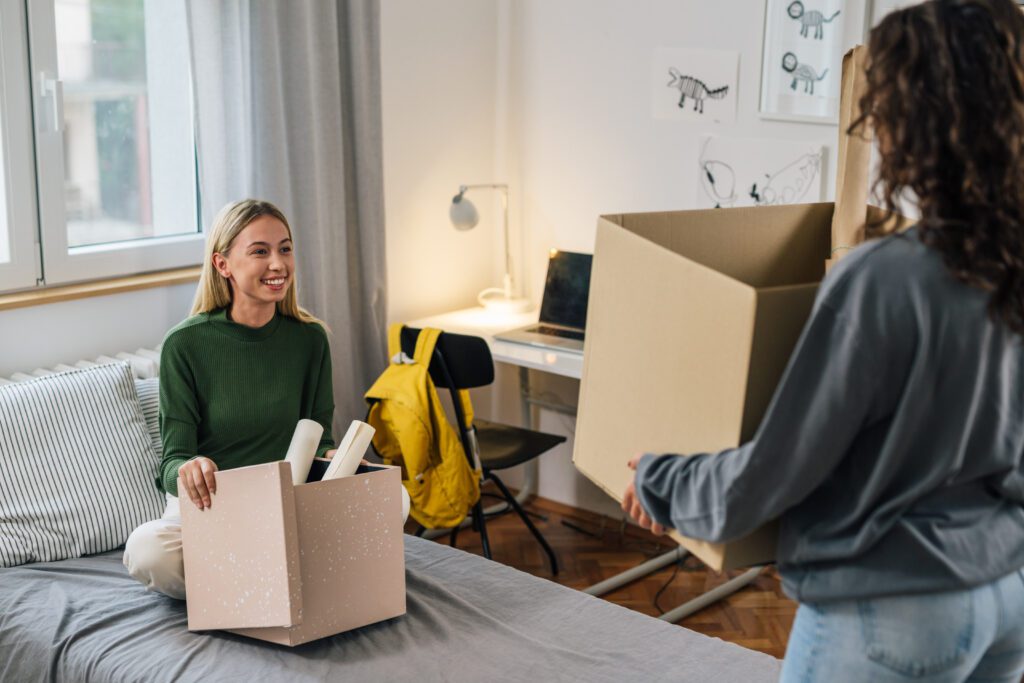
(114, 161)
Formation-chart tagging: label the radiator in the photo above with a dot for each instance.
(144, 363)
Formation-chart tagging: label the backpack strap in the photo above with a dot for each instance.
(425, 343)
(395, 339)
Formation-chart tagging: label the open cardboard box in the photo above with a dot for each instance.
(290, 564)
(691, 320)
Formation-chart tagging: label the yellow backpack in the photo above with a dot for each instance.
(414, 433)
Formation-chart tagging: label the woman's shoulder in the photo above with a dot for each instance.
(311, 331)
(887, 264)
(186, 328)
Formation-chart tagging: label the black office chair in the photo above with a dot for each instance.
(464, 362)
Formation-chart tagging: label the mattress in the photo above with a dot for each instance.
(469, 619)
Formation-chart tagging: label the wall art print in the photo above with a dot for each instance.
(758, 172)
(694, 85)
(801, 64)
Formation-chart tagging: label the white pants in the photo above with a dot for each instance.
(153, 553)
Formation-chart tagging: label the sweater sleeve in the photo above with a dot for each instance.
(323, 400)
(821, 403)
(179, 414)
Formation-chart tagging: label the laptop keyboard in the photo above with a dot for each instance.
(556, 332)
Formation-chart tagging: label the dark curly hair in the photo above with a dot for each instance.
(945, 97)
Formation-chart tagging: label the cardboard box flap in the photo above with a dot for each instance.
(248, 574)
(766, 246)
(627, 364)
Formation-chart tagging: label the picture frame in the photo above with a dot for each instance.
(801, 61)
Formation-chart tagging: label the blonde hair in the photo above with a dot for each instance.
(214, 291)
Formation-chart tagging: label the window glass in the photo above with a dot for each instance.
(128, 142)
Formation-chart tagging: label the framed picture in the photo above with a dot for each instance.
(801, 64)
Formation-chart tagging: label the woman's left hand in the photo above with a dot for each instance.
(632, 507)
(330, 454)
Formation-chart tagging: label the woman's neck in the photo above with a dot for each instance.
(251, 316)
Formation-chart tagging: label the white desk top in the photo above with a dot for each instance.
(482, 323)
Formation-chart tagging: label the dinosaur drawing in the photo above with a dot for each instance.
(801, 72)
(695, 89)
(808, 20)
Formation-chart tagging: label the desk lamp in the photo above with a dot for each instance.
(464, 216)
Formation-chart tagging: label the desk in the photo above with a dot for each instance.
(482, 323)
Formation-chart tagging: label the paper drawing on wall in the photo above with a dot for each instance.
(789, 184)
(803, 50)
(801, 73)
(810, 19)
(695, 89)
(754, 172)
(694, 85)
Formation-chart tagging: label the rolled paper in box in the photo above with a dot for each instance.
(350, 451)
(302, 449)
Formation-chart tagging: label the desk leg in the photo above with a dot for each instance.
(712, 596)
(531, 470)
(637, 572)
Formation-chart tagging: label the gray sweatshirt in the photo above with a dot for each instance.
(891, 449)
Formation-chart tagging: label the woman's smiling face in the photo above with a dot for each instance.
(259, 264)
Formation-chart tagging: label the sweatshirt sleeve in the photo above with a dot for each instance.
(323, 400)
(822, 401)
(179, 414)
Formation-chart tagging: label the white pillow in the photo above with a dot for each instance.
(77, 469)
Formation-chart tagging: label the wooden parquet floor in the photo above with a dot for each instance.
(758, 617)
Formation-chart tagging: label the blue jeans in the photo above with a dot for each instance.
(969, 635)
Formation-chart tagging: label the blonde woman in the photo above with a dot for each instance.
(235, 377)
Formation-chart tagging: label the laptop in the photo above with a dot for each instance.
(563, 310)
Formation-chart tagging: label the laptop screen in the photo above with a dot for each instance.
(566, 289)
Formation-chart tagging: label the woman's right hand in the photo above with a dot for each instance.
(197, 477)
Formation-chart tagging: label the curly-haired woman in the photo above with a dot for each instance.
(892, 450)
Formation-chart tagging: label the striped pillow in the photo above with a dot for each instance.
(76, 465)
(149, 397)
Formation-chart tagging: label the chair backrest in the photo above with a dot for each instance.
(460, 361)
(466, 358)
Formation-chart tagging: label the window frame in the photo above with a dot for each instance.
(62, 264)
(24, 269)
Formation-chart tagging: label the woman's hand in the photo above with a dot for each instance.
(197, 477)
(330, 454)
(631, 504)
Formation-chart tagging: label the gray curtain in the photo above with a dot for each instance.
(288, 109)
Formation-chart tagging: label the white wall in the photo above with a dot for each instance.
(439, 73)
(42, 336)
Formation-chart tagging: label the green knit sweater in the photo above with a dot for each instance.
(234, 393)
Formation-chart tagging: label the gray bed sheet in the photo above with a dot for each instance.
(468, 619)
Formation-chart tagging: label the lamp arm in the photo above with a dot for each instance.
(508, 284)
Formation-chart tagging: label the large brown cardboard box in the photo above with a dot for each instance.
(692, 317)
(290, 564)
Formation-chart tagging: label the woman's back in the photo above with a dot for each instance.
(932, 479)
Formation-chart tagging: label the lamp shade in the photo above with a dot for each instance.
(463, 214)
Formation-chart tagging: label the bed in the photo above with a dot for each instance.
(469, 619)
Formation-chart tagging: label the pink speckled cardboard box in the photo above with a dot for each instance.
(290, 564)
